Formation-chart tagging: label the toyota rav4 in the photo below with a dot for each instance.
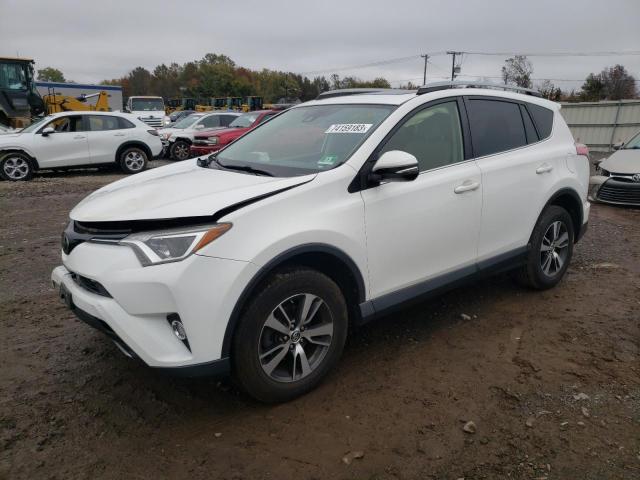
(257, 260)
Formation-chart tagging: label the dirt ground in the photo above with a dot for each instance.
(550, 379)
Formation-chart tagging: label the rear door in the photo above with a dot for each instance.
(105, 134)
(68, 146)
(518, 170)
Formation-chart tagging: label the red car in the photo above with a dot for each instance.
(209, 141)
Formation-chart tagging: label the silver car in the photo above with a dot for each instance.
(617, 178)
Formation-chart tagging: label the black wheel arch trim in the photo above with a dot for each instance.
(273, 264)
(580, 213)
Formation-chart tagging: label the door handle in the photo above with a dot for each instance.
(544, 168)
(118, 134)
(79, 137)
(467, 186)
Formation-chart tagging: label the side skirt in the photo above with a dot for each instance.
(422, 291)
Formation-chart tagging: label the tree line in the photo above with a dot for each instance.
(218, 75)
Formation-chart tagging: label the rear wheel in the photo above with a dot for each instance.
(133, 160)
(180, 150)
(16, 167)
(290, 336)
(551, 249)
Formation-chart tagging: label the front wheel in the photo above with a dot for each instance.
(16, 167)
(180, 150)
(551, 249)
(290, 335)
(133, 160)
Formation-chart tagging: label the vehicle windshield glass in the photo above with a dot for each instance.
(305, 139)
(147, 104)
(634, 143)
(13, 76)
(244, 121)
(35, 125)
(186, 122)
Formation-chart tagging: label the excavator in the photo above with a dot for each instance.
(56, 103)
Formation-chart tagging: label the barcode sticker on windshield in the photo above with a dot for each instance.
(349, 128)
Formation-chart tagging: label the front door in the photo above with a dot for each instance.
(67, 146)
(423, 233)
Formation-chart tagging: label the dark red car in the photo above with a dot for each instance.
(209, 141)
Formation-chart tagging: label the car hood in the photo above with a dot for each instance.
(623, 161)
(177, 191)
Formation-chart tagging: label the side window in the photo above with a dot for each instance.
(266, 117)
(210, 122)
(98, 123)
(543, 118)
(496, 126)
(530, 130)
(225, 120)
(433, 135)
(66, 124)
(124, 123)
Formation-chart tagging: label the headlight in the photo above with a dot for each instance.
(166, 120)
(173, 245)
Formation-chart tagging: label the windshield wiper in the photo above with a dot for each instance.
(205, 162)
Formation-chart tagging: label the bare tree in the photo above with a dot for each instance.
(517, 71)
(548, 90)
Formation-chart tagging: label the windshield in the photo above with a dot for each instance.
(186, 122)
(35, 125)
(306, 139)
(634, 143)
(13, 76)
(147, 104)
(244, 121)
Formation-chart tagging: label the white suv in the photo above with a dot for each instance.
(177, 139)
(76, 139)
(256, 260)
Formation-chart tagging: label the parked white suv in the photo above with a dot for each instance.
(256, 260)
(177, 139)
(76, 139)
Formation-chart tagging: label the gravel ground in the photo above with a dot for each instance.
(550, 380)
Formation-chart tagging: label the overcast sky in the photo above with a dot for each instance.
(93, 40)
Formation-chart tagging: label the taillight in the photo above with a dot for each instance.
(153, 132)
(582, 149)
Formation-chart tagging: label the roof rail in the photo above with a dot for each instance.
(436, 86)
(359, 91)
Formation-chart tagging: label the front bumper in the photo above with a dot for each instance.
(198, 150)
(614, 190)
(133, 312)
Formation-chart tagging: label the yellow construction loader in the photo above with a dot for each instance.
(55, 103)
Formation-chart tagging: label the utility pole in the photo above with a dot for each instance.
(424, 76)
(453, 63)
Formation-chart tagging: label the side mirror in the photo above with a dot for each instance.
(395, 166)
(48, 131)
(200, 127)
(618, 146)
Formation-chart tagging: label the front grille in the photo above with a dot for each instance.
(620, 191)
(152, 121)
(90, 285)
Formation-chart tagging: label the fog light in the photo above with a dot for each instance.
(178, 330)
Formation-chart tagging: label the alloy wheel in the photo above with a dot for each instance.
(181, 151)
(134, 160)
(16, 168)
(295, 338)
(554, 248)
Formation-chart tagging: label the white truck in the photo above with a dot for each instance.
(148, 109)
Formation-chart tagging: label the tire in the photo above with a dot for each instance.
(269, 363)
(180, 150)
(133, 160)
(16, 167)
(550, 252)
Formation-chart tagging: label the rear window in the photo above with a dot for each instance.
(496, 126)
(543, 118)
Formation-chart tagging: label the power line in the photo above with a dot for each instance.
(560, 54)
(365, 65)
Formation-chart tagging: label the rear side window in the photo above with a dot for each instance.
(543, 118)
(124, 123)
(496, 126)
(98, 123)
